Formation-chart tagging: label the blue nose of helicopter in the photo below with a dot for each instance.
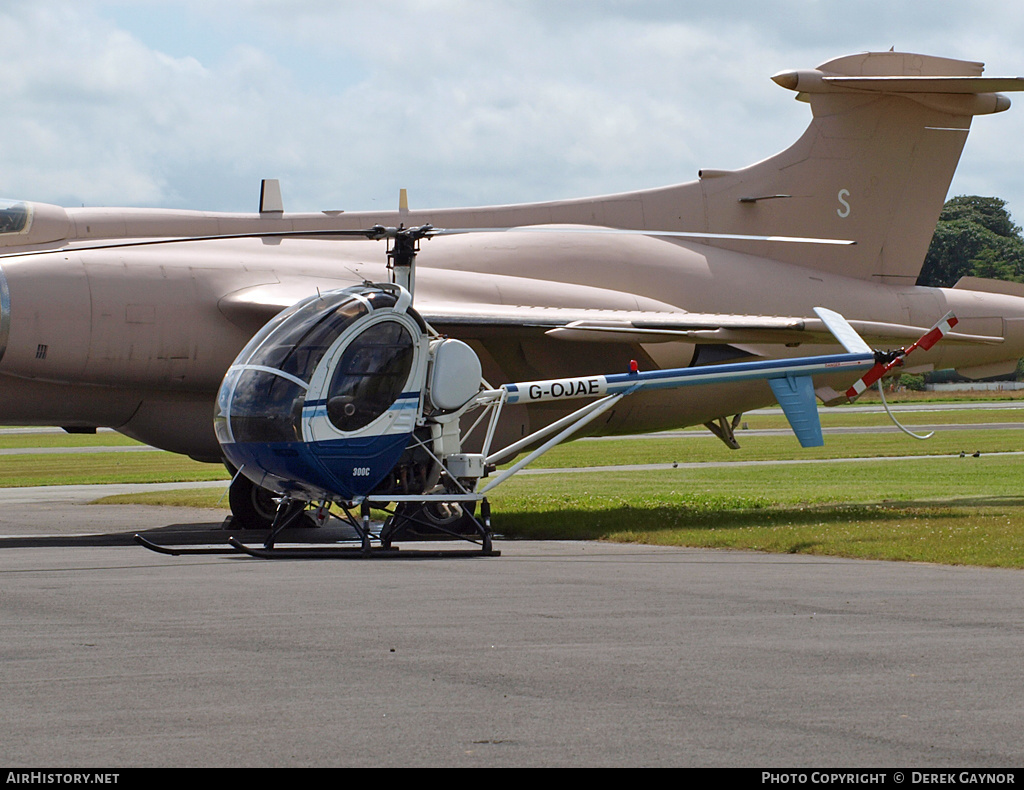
(322, 402)
(340, 470)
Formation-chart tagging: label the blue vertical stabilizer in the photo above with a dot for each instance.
(795, 395)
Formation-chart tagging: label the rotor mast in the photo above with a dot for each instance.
(403, 245)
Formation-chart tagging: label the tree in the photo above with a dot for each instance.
(974, 236)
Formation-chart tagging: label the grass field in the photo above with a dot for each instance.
(948, 510)
(930, 505)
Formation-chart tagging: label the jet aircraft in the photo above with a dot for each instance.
(130, 318)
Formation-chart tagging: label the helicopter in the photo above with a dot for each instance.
(350, 398)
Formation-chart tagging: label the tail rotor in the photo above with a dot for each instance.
(886, 361)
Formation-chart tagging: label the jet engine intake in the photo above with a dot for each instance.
(5, 313)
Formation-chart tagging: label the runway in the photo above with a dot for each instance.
(554, 654)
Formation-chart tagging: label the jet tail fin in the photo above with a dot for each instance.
(874, 165)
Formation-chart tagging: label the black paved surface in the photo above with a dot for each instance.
(553, 654)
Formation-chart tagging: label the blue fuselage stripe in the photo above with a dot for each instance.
(739, 371)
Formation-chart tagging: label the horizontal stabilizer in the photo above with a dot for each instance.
(795, 395)
(990, 286)
(818, 81)
(842, 330)
(915, 84)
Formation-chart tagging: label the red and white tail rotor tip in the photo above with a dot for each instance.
(927, 340)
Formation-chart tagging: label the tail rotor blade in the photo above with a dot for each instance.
(867, 380)
(936, 333)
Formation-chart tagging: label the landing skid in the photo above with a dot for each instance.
(365, 545)
(315, 552)
(176, 551)
(356, 552)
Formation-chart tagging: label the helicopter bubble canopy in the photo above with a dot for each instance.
(324, 399)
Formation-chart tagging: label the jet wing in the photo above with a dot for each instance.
(644, 326)
(623, 326)
(254, 306)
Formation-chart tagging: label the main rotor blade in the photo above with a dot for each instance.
(677, 234)
(378, 232)
(367, 233)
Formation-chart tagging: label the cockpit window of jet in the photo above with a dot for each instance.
(14, 216)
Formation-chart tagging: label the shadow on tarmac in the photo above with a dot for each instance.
(172, 534)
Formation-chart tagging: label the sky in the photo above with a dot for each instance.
(189, 103)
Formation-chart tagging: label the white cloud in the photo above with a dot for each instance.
(189, 103)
